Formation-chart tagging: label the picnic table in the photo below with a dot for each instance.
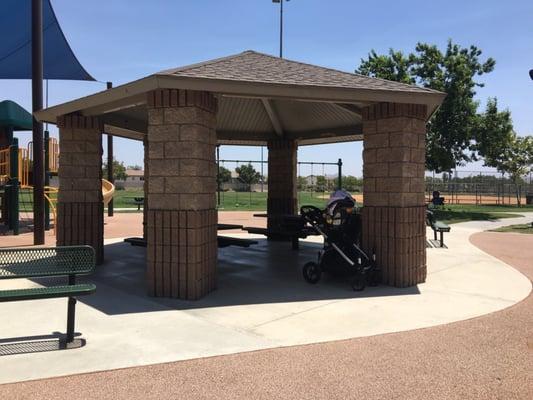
(223, 241)
(292, 226)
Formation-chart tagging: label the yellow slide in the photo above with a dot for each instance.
(108, 190)
(50, 194)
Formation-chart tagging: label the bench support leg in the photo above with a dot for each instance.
(441, 238)
(435, 234)
(70, 319)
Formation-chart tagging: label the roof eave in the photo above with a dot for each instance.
(106, 100)
(130, 93)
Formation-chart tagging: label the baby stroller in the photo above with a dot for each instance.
(340, 226)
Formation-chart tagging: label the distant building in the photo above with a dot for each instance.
(134, 179)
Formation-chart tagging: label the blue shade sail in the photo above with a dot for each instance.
(15, 44)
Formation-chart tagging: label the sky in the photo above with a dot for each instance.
(123, 40)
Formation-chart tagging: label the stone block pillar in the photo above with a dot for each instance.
(181, 188)
(394, 207)
(145, 187)
(282, 185)
(80, 209)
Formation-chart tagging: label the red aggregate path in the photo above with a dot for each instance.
(490, 357)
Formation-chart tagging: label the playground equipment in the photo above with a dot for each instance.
(108, 191)
(16, 178)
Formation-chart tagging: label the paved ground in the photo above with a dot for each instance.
(130, 224)
(261, 302)
(489, 357)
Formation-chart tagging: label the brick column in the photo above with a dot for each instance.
(282, 169)
(80, 209)
(394, 208)
(181, 171)
(145, 187)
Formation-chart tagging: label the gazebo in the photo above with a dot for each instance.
(245, 99)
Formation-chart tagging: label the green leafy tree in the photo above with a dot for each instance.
(301, 183)
(394, 66)
(516, 160)
(321, 184)
(493, 133)
(351, 183)
(451, 129)
(119, 170)
(248, 174)
(224, 174)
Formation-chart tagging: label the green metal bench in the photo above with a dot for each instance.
(66, 261)
(437, 227)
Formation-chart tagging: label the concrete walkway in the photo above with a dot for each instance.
(262, 302)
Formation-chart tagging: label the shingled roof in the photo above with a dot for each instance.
(251, 66)
(260, 98)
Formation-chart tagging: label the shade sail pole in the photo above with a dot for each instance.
(37, 99)
(110, 157)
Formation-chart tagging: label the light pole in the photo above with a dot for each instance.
(280, 26)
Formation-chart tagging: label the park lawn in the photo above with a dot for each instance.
(229, 201)
(257, 201)
(457, 215)
(489, 208)
(520, 228)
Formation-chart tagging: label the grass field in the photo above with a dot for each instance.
(257, 201)
(230, 201)
(522, 228)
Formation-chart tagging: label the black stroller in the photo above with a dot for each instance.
(340, 226)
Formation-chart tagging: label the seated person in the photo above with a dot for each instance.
(437, 200)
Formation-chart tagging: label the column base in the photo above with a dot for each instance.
(397, 235)
(181, 253)
(81, 224)
(277, 209)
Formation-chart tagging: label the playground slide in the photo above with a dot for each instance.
(108, 190)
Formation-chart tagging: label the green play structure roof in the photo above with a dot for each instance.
(11, 114)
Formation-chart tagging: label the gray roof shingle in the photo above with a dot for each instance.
(251, 66)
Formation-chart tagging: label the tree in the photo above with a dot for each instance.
(321, 184)
(119, 170)
(516, 160)
(493, 133)
(224, 174)
(248, 174)
(393, 67)
(134, 167)
(451, 129)
(301, 182)
(352, 184)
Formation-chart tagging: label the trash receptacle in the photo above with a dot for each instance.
(529, 198)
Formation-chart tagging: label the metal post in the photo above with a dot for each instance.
(71, 311)
(262, 174)
(46, 178)
(71, 315)
(110, 172)
(339, 163)
(281, 29)
(13, 215)
(37, 97)
(218, 175)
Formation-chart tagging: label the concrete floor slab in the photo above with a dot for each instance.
(262, 302)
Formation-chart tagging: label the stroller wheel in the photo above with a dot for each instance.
(312, 272)
(359, 282)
